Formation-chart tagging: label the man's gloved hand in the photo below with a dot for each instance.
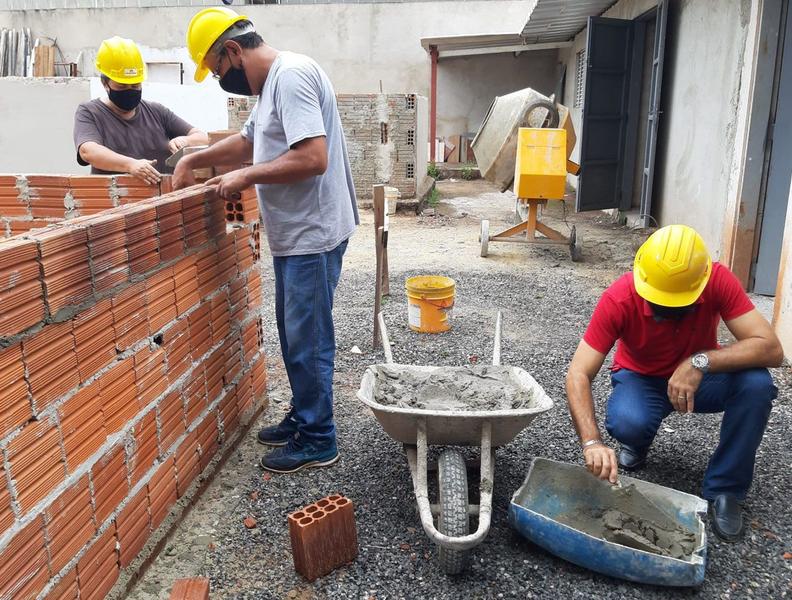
(683, 385)
(601, 462)
(144, 169)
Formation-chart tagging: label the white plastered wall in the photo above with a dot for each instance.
(702, 100)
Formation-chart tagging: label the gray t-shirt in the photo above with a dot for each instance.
(314, 215)
(145, 135)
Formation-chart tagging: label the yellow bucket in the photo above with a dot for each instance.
(430, 300)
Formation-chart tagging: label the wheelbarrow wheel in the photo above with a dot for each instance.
(575, 246)
(484, 237)
(453, 518)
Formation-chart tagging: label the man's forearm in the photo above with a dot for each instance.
(290, 167)
(196, 137)
(745, 354)
(101, 157)
(581, 406)
(233, 150)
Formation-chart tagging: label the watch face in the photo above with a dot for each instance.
(700, 361)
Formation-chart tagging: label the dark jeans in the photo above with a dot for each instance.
(639, 403)
(304, 288)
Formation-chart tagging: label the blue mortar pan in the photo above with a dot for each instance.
(556, 489)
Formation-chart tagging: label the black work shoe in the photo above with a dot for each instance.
(632, 459)
(726, 517)
(277, 435)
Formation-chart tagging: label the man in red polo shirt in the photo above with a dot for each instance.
(664, 316)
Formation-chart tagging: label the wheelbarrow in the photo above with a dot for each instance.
(488, 429)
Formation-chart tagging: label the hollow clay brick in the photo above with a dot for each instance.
(215, 365)
(23, 563)
(229, 413)
(82, 425)
(144, 451)
(15, 408)
(245, 395)
(130, 316)
(249, 340)
(36, 463)
(66, 589)
(69, 524)
(95, 338)
(220, 317)
(119, 395)
(133, 527)
(21, 297)
(151, 375)
(195, 394)
(98, 570)
(6, 513)
(233, 359)
(196, 588)
(323, 536)
(110, 486)
(161, 490)
(208, 437)
(171, 418)
(186, 463)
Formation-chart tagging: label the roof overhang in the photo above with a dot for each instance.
(471, 45)
(561, 20)
(551, 24)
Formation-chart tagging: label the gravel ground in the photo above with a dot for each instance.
(546, 301)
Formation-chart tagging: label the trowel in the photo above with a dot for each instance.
(177, 156)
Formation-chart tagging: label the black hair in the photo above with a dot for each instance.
(105, 79)
(247, 40)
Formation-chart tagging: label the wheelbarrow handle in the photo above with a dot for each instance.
(496, 352)
(385, 341)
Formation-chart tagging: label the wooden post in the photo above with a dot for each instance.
(378, 285)
(381, 287)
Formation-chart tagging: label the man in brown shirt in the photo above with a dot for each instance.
(123, 133)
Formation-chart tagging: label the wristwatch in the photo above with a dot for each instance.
(700, 361)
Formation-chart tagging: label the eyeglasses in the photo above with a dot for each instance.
(216, 74)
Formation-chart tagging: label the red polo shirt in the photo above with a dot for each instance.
(656, 348)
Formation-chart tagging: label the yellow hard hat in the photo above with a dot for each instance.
(672, 267)
(119, 59)
(204, 30)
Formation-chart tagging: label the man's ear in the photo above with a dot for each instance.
(233, 48)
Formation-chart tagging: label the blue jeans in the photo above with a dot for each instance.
(304, 289)
(639, 403)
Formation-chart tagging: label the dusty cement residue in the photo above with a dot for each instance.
(467, 388)
(633, 520)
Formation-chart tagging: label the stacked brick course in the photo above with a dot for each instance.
(130, 353)
(33, 201)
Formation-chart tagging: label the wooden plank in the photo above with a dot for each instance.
(49, 71)
(378, 286)
(381, 220)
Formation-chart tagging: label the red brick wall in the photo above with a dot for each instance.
(130, 353)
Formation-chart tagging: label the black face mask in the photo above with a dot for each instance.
(125, 99)
(663, 313)
(235, 82)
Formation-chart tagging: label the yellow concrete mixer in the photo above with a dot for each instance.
(525, 141)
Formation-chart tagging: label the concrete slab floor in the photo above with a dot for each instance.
(546, 300)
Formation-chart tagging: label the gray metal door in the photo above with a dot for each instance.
(605, 100)
(647, 176)
(778, 176)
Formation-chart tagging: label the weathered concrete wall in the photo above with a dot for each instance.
(782, 311)
(37, 118)
(359, 45)
(705, 46)
(468, 84)
(36, 123)
(701, 89)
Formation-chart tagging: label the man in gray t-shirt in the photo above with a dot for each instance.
(307, 201)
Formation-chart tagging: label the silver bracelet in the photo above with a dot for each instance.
(589, 443)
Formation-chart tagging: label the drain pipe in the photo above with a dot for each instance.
(433, 105)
